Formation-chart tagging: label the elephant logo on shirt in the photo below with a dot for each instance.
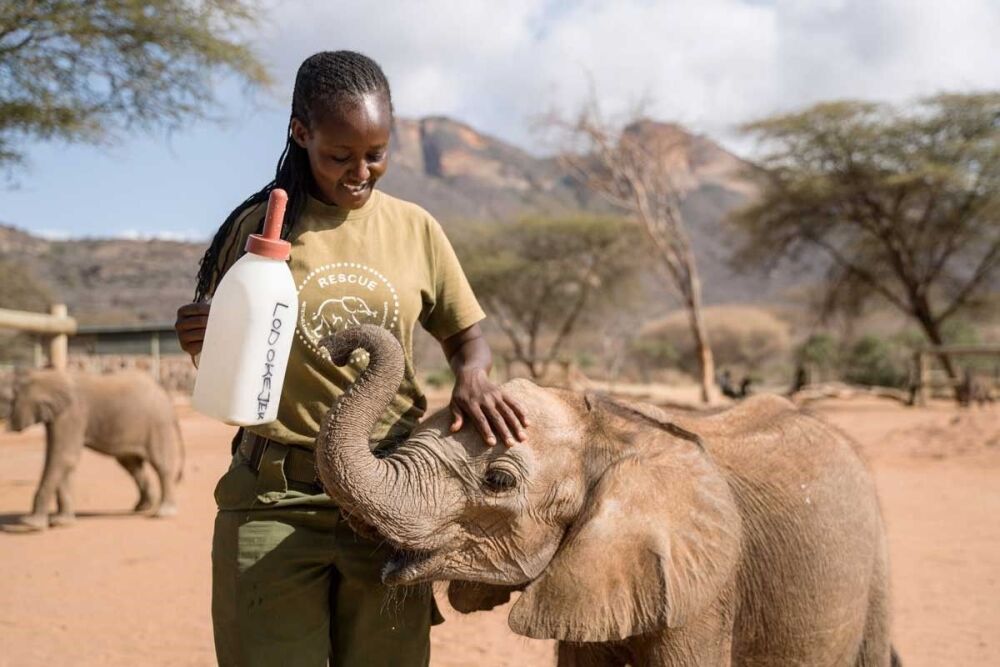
(335, 296)
(336, 314)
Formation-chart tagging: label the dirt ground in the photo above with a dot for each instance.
(120, 589)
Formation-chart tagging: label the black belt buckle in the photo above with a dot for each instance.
(257, 452)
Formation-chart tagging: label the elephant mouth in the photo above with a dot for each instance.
(411, 567)
(405, 566)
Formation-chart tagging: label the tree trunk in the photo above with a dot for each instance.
(702, 346)
(703, 350)
(932, 330)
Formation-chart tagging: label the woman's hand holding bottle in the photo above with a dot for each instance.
(192, 318)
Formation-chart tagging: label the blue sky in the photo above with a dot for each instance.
(710, 64)
(177, 186)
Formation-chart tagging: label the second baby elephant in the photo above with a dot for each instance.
(125, 415)
(637, 536)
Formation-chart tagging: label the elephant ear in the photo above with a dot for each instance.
(469, 596)
(657, 541)
(52, 394)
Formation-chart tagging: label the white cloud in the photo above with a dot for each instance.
(51, 234)
(142, 235)
(127, 235)
(710, 64)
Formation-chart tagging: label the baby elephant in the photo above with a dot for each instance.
(750, 537)
(125, 415)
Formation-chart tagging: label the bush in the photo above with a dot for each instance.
(740, 336)
(819, 350)
(874, 361)
(960, 332)
(654, 351)
(818, 358)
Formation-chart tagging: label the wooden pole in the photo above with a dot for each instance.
(923, 377)
(39, 353)
(59, 344)
(154, 344)
(38, 322)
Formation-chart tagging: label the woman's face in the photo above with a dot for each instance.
(348, 149)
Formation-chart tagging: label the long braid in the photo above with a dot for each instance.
(324, 81)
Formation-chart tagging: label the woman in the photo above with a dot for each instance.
(292, 583)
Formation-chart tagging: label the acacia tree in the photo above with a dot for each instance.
(634, 167)
(541, 278)
(903, 203)
(81, 70)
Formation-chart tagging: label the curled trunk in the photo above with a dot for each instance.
(369, 487)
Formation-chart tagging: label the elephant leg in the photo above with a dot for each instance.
(66, 516)
(133, 464)
(167, 473)
(61, 456)
(876, 649)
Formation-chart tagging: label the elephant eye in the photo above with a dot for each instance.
(497, 480)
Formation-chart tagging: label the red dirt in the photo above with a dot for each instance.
(119, 589)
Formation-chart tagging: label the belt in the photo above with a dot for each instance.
(299, 463)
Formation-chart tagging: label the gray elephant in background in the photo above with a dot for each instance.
(637, 536)
(125, 415)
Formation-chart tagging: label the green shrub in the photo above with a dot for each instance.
(874, 361)
(960, 332)
(821, 351)
(654, 352)
(742, 337)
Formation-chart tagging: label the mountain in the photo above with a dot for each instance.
(459, 174)
(106, 281)
(463, 177)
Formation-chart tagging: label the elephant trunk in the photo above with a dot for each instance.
(368, 487)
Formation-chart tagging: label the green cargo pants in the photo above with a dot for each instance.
(293, 585)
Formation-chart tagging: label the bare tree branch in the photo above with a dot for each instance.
(628, 165)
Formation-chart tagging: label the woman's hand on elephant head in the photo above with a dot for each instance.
(494, 414)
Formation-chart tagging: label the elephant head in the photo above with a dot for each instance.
(612, 520)
(39, 396)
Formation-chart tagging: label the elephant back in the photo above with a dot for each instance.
(812, 528)
(127, 407)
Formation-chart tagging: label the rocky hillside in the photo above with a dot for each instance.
(465, 178)
(106, 281)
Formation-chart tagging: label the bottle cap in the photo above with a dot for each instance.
(269, 244)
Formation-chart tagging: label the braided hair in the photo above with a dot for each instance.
(323, 83)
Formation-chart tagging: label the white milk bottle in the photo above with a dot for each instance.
(250, 327)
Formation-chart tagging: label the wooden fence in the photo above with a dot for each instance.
(149, 347)
(925, 379)
(54, 328)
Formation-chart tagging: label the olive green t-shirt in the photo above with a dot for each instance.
(387, 263)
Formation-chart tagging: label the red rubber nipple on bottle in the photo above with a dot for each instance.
(269, 244)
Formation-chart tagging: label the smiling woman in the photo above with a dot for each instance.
(292, 582)
(348, 151)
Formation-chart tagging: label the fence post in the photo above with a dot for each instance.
(154, 349)
(923, 377)
(59, 344)
(38, 351)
